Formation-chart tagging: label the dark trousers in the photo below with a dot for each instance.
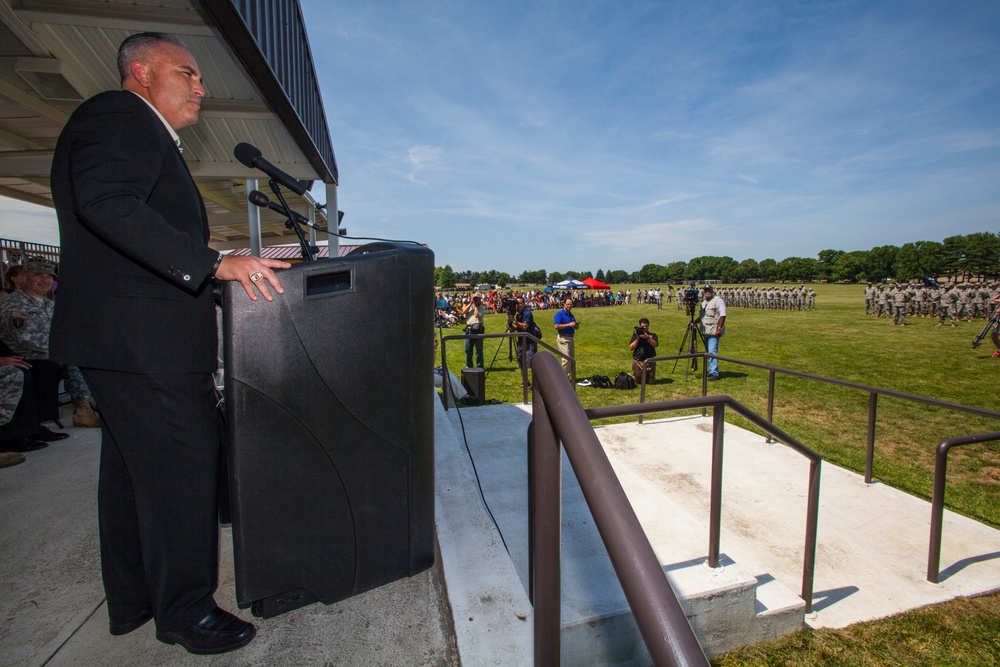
(39, 401)
(157, 495)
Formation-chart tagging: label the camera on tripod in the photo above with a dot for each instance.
(691, 295)
(509, 304)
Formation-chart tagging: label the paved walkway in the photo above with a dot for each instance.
(53, 610)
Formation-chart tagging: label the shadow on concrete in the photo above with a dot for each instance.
(958, 566)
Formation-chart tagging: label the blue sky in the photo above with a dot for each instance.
(607, 135)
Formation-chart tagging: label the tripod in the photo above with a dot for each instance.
(690, 340)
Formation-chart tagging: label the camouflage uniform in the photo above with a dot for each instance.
(24, 326)
(900, 299)
(11, 386)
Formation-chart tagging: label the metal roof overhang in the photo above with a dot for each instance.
(259, 77)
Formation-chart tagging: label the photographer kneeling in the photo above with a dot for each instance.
(643, 346)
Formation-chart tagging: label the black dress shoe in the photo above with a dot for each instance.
(48, 435)
(23, 445)
(118, 629)
(218, 632)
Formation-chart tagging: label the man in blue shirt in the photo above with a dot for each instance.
(566, 326)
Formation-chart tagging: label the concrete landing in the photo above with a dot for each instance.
(872, 546)
(52, 611)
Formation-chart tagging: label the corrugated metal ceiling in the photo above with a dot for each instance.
(84, 35)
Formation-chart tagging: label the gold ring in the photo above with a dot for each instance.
(256, 277)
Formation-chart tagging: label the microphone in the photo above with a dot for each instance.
(250, 157)
(258, 198)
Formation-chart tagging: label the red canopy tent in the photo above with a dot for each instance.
(596, 284)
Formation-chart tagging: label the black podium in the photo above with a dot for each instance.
(330, 428)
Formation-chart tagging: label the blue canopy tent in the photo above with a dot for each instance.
(572, 283)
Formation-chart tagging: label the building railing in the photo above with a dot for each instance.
(14, 252)
(557, 415)
(521, 352)
(937, 503)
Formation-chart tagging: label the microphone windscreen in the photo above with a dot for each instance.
(246, 154)
(258, 198)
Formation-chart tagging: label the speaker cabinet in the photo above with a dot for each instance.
(330, 428)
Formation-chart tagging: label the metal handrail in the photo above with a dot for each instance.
(873, 393)
(521, 353)
(719, 403)
(937, 503)
(662, 623)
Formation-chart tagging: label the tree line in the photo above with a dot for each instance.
(959, 257)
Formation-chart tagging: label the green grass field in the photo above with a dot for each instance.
(838, 341)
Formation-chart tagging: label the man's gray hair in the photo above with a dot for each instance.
(134, 48)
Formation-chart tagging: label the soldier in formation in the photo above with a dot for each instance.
(951, 302)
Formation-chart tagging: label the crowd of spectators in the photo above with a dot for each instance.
(449, 306)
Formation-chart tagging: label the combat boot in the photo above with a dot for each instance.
(84, 415)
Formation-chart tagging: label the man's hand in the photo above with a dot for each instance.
(17, 362)
(252, 272)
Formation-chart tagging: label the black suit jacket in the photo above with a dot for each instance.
(134, 281)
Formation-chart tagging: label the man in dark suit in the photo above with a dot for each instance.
(136, 313)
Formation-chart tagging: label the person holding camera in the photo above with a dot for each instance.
(473, 314)
(522, 319)
(712, 320)
(643, 346)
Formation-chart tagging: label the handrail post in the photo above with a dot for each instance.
(715, 511)
(770, 403)
(445, 376)
(812, 524)
(642, 388)
(522, 354)
(870, 447)
(546, 484)
(704, 382)
(937, 513)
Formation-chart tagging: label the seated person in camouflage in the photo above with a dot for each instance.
(20, 428)
(25, 320)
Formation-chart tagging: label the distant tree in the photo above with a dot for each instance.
(982, 254)
(766, 268)
(827, 260)
(652, 273)
(922, 258)
(444, 277)
(556, 277)
(675, 272)
(600, 276)
(617, 277)
(796, 269)
(953, 256)
(504, 279)
(536, 277)
(851, 267)
(882, 263)
(749, 270)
